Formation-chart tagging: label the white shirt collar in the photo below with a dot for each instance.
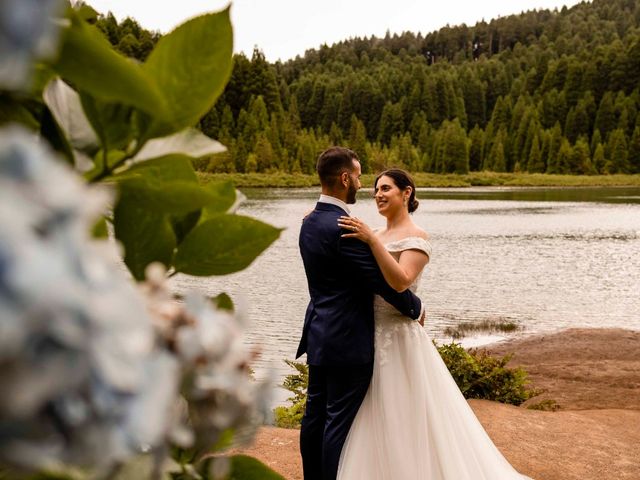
(335, 201)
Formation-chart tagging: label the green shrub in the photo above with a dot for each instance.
(477, 374)
(545, 406)
(291, 416)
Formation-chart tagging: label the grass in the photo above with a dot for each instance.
(474, 179)
(263, 180)
(545, 406)
(463, 329)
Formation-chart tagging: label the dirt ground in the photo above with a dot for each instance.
(594, 377)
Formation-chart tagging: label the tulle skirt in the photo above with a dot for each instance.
(414, 423)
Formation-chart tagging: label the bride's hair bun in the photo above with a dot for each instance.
(413, 202)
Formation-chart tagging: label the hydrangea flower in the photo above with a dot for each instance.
(92, 364)
(28, 31)
(220, 391)
(77, 345)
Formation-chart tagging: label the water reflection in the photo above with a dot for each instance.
(543, 258)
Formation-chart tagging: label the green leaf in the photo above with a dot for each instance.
(112, 122)
(166, 169)
(249, 468)
(42, 75)
(169, 184)
(226, 195)
(176, 198)
(223, 244)
(13, 111)
(64, 103)
(90, 63)
(191, 66)
(189, 141)
(147, 236)
(183, 224)
(182, 456)
(223, 302)
(225, 440)
(50, 130)
(87, 13)
(113, 158)
(100, 230)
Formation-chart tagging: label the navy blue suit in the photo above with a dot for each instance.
(338, 334)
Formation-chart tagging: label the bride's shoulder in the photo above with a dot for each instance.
(418, 239)
(420, 233)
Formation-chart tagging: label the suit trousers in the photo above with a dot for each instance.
(334, 396)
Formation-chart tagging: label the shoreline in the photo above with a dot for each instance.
(431, 180)
(592, 374)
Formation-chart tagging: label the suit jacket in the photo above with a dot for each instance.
(342, 277)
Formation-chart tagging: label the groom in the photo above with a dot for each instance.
(338, 332)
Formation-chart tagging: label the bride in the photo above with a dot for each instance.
(414, 423)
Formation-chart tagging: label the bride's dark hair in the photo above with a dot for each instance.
(402, 180)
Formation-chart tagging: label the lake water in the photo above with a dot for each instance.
(545, 258)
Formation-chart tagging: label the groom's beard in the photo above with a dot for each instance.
(351, 193)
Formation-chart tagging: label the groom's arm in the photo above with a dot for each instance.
(366, 270)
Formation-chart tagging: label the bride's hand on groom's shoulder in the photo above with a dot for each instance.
(358, 229)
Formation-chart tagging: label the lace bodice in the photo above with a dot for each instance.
(388, 320)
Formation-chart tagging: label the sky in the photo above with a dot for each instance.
(283, 29)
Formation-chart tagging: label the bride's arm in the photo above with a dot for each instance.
(401, 274)
(398, 274)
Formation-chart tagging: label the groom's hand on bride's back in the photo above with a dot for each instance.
(422, 318)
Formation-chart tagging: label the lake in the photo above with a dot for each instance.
(545, 258)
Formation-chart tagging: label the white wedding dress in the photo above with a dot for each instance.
(414, 423)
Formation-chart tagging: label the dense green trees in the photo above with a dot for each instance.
(128, 37)
(543, 91)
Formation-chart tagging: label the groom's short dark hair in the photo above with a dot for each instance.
(332, 162)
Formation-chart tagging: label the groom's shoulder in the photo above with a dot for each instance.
(329, 208)
(325, 212)
(322, 222)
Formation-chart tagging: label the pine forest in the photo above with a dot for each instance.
(540, 92)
